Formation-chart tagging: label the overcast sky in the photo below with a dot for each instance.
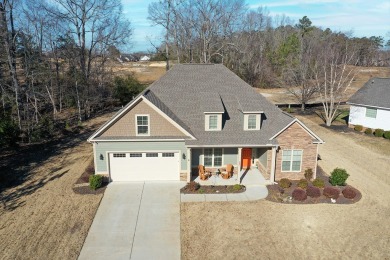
(363, 17)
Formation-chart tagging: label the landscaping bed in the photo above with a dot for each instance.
(196, 188)
(297, 193)
(82, 185)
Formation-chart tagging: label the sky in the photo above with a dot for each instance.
(362, 17)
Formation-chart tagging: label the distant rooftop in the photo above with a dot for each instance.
(375, 93)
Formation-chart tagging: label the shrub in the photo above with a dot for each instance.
(237, 187)
(302, 184)
(386, 134)
(309, 174)
(95, 181)
(299, 194)
(285, 183)
(358, 128)
(193, 186)
(379, 132)
(313, 192)
(349, 193)
(331, 192)
(318, 183)
(338, 177)
(368, 131)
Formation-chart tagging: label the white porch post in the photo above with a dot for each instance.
(273, 165)
(239, 165)
(188, 164)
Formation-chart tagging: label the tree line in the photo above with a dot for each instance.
(53, 57)
(266, 51)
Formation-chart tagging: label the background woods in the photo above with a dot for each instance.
(57, 57)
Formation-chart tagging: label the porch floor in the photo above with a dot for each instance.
(248, 177)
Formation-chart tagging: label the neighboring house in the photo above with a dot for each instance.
(370, 105)
(144, 58)
(202, 114)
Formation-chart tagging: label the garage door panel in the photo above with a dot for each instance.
(144, 166)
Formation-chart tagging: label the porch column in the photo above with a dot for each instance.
(239, 165)
(189, 165)
(273, 165)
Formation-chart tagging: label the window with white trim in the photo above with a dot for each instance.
(212, 157)
(135, 154)
(252, 122)
(213, 122)
(291, 160)
(142, 124)
(371, 112)
(168, 155)
(119, 155)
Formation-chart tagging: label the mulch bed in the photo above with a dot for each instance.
(280, 195)
(82, 184)
(213, 189)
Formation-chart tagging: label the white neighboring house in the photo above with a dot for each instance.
(370, 105)
(144, 58)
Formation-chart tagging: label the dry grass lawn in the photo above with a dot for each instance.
(43, 217)
(266, 230)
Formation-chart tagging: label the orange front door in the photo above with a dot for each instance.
(246, 157)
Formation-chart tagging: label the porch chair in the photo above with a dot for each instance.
(203, 174)
(228, 173)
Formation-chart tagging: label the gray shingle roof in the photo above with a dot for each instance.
(189, 90)
(376, 92)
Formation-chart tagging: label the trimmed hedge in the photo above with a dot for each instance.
(331, 192)
(302, 184)
(285, 183)
(95, 181)
(368, 131)
(349, 193)
(309, 174)
(379, 132)
(299, 194)
(318, 183)
(338, 177)
(358, 128)
(387, 135)
(313, 192)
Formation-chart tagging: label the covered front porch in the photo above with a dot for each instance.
(252, 165)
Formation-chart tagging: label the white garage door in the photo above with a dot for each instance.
(141, 166)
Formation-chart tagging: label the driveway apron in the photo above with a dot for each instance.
(137, 220)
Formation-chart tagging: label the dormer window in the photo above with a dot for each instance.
(142, 125)
(252, 121)
(213, 122)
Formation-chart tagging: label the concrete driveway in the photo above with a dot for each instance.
(139, 220)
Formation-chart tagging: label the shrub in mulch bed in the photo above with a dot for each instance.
(195, 188)
(349, 192)
(303, 183)
(299, 194)
(313, 192)
(285, 183)
(82, 185)
(331, 192)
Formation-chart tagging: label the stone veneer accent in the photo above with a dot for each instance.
(159, 126)
(295, 137)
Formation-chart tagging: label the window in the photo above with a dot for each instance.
(371, 112)
(168, 155)
(213, 122)
(143, 125)
(119, 155)
(136, 155)
(291, 160)
(212, 157)
(252, 122)
(151, 154)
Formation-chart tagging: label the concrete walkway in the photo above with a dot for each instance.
(136, 221)
(255, 190)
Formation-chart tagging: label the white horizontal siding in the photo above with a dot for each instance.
(357, 116)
